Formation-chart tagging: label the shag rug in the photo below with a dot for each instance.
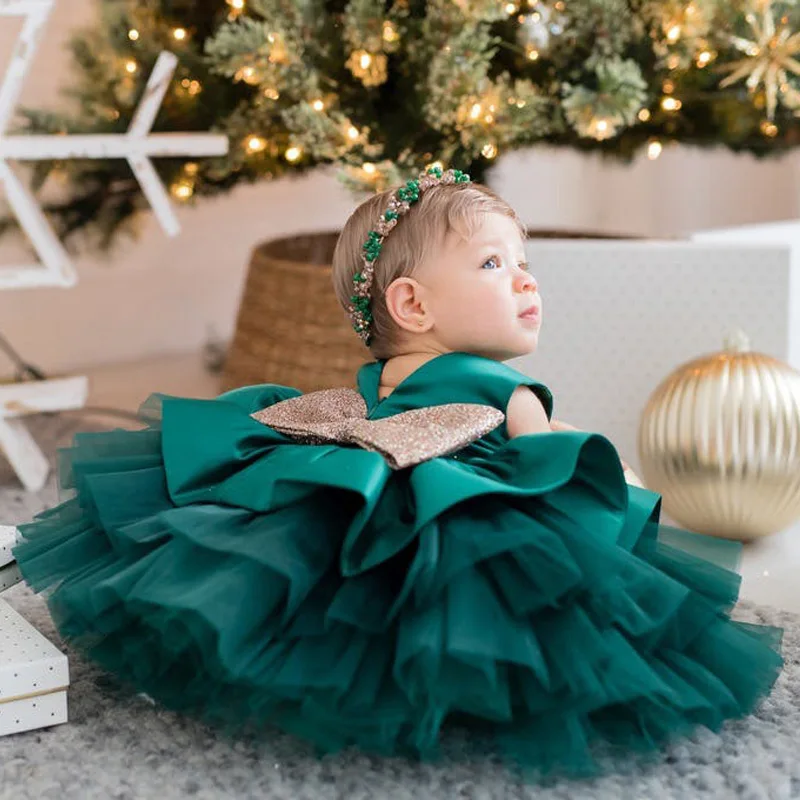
(123, 747)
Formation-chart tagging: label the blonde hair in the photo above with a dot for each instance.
(440, 209)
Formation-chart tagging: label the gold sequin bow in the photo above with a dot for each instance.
(405, 439)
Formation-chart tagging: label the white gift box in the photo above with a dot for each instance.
(620, 315)
(9, 572)
(34, 676)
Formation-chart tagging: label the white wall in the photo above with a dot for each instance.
(161, 295)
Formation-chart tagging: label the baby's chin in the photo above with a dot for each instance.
(505, 351)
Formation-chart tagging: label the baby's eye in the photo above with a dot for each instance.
(494, 261)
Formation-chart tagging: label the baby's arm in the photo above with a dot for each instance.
(630, 476)
(525, 414)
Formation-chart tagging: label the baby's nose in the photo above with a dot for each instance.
(527, 283)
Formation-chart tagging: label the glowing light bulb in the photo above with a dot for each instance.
(131, 66)
(390, 33)
(671, 104)
(352, 132)
(365, 59)
(183, 190)
(133, 34)
(654, 150)
(369, 168)
(703, 59)
(179, 34)
(489, 150)
(644, 115)
(318, 105)
(293, 154)
(256, 144)
(769, 129)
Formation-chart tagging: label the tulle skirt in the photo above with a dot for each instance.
(530, 596)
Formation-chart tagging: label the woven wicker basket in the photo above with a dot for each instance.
(291, 329)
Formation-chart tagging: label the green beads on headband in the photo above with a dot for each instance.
(400, 203)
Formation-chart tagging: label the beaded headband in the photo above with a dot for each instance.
(360, 309)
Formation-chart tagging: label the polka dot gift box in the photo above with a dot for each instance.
(9, 573)
(34, 674)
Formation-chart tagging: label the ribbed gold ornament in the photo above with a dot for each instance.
(719, 439)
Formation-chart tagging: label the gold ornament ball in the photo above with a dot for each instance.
(719, 439)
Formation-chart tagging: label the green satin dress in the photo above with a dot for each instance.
(517, 587)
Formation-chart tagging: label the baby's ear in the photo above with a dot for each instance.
(405, 303)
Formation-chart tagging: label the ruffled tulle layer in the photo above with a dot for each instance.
(527, 595)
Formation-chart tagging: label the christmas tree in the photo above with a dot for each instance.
(383, 89)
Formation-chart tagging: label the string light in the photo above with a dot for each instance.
(475, 111)
(703, 59)
(532, 53)
(364, 60)
(318, 105)
(489, 150)
(668, 87)
(272, 93)
(191, 167)
(133, 34)
(390, 33)
(644, 115)
(671, 104)
(673, 34)
(654, 149)
(192, 87)
(769, 128)
(293, 154)
(237, 7)
(601, 128)
(182, 190)
(131, 66)
(256, 144)
(179, 34)
(352, 132)
(369, 168)
(511, 8)
(247, 74)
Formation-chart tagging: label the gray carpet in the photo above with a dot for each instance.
(122, 747)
